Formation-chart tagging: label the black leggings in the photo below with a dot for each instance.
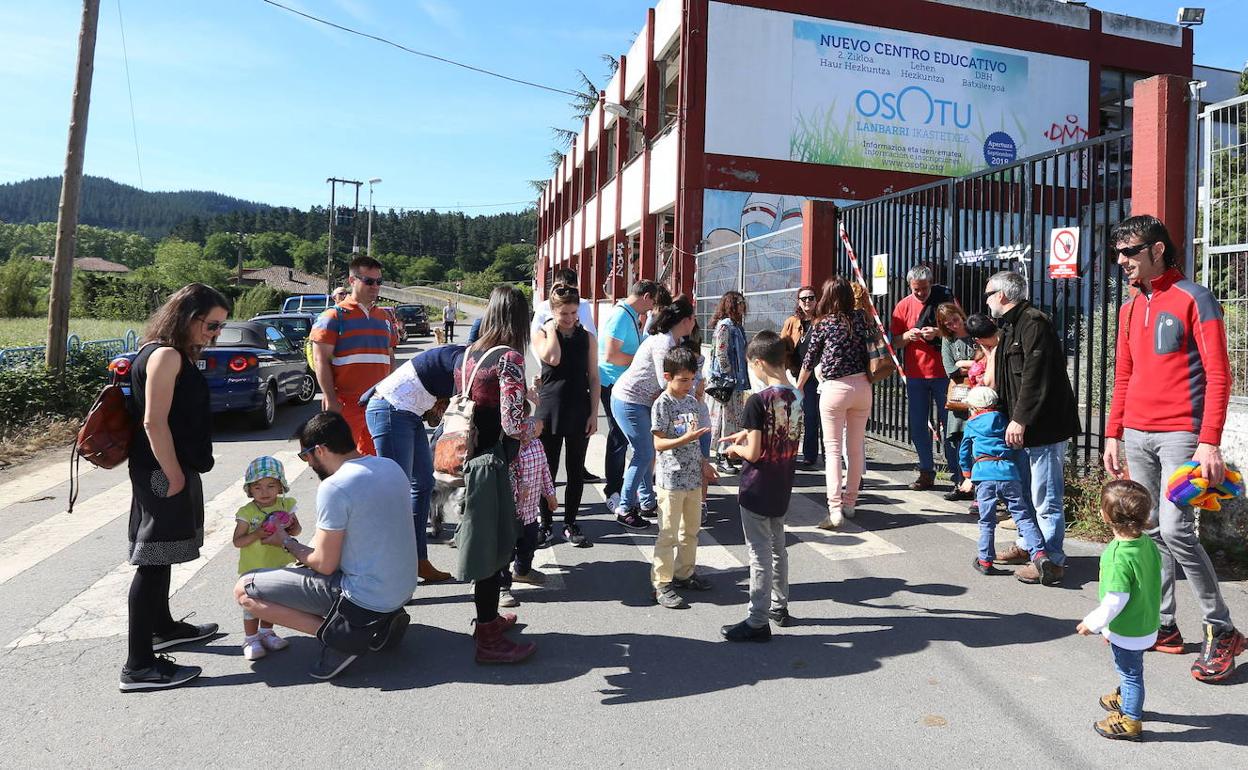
(485, 596)
(149, 613)
(574, 467)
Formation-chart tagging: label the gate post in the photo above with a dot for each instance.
(818, 242)
(1159, 158)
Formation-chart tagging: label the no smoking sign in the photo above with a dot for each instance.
(1064, 252)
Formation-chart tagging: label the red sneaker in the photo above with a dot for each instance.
(1169, 641)
(1217, 655)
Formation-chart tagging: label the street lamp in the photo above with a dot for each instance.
(371, 182)
(1191, 17)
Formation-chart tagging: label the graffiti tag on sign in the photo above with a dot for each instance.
(1064, 252)
(1070, 131)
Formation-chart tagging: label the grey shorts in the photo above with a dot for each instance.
(298, 588)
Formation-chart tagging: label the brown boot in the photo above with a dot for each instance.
(1012, 555)
(925, 481)
(493, 647)
(431, 574)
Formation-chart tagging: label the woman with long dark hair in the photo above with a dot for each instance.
(729, 371)
(568, 407)
(172, 446)
(796, 336)
(494, 365)
(958, 352)
(631, 401)
(838, 348)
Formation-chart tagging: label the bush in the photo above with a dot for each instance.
(1083, 503)
(24, 287)
(30, 392)
(257, 300)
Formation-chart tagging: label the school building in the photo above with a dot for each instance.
(726, 116)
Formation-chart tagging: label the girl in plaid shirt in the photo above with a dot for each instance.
(530, 483)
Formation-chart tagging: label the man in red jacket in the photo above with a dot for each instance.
(1172, 384)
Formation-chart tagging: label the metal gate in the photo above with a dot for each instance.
(767, 269)
(968, 228)
(1223, 262)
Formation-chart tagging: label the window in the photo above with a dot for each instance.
(591, 172)
(1116, 99)
(669, 78)
(636, 123)
(277, 340)
(608, 139)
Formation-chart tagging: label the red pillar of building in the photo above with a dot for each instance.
(818, 242)
(691, 156)
(618, 256)
(647, 266)
(1159, 155)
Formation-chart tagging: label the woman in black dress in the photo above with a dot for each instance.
(172, 446)
(569, 403)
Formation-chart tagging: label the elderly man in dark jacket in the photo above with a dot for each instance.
(1035, 393)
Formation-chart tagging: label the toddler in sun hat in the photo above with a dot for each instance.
(269, 510)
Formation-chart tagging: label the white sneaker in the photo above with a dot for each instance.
(505, 599)
(271, 641)
(834, 519)
(253, 649)
(848, 511)
(613, 502)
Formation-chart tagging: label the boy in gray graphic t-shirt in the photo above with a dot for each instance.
(680, 469)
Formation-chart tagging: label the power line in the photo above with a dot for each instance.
(134, 127)
(435, 57)
(456, 206)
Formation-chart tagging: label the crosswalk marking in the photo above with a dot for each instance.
(101, 610)
(37, 481)
(56, 533)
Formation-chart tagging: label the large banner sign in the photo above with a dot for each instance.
(877, 98)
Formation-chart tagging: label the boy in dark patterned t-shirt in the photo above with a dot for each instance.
(768, 444)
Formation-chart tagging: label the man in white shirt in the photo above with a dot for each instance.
(584, 313)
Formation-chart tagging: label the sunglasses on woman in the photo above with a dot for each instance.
(808, 298)
(214, 326)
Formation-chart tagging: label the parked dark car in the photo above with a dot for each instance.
(252, 368)
(296, 326)
(414, 319)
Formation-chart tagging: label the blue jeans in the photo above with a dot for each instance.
(634, 420)
(617, 447)
(1130, 667)
(811, 421)
(920, 392)
(1015, 496)
(1041, 469)
(401, 436)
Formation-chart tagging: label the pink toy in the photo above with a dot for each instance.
(275, 521)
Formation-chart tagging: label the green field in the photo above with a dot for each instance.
(21, 332)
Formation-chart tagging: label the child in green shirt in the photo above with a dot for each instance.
(1130, 610)
(265, 483)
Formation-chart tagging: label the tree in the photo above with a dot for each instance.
(514, 261)
(309, 256)
(273, 247)
(23, 282)
(179, 263)
(222, 247)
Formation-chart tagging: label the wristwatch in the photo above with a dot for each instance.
(286, 541)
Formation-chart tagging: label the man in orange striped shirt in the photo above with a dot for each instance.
(353, 348)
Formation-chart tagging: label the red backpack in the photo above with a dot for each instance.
(106, 432)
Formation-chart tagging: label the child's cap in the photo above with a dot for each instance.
(1187, 487)
(264, 468)
(981, 397)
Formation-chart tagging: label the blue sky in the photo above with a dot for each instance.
(245, 99)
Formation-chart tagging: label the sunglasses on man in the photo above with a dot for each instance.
(1129, 251)
(369, 281)
(304, 452)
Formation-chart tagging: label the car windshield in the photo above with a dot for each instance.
(410, 313)
(295, 328)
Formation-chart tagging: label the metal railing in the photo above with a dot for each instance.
(1223, 263)
(1002, 219)
(33, 354)
(767, 269)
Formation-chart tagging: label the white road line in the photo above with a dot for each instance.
(711, 554)
(101, 611)
(30, 484)
(56, 533)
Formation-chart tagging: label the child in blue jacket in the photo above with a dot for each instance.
(988, 466)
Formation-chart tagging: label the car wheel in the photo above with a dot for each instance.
(263, 417)
(307, 388)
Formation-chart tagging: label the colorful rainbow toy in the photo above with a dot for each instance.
(1186, 487)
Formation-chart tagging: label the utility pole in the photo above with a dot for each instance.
(355, 220)
(371, 182)
(71, 189)
(333, 214)
(240, 260)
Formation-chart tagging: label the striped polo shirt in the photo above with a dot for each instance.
(362, 344)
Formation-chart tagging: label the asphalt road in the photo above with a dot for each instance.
(903, 654)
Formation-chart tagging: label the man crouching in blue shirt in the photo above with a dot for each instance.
(988, 462)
